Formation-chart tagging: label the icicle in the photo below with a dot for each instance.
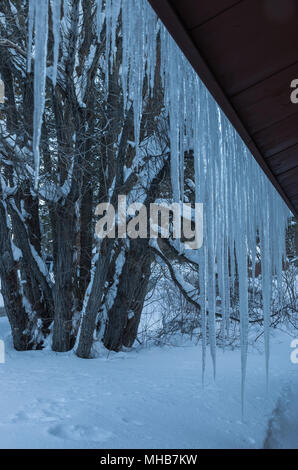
(199, 166)
(243, 306)
(210, 238)
(242, 256)
(266, 284)
(202, 279)
(99, 17)
(56, 9)
(227, 291)
(253, 263)
(41, 39)
(31, 13)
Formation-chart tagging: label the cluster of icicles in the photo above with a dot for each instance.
(239, 201)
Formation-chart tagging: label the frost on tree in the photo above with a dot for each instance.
(240, 204)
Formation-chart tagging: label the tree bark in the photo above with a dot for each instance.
(64, 269)
(89, 315)
(124, 317)
(11, 288)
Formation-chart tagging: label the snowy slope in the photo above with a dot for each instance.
(151, 398)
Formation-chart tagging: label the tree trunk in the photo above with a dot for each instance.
(124, 317)
(89, 315)
(11, 288)
(64, 268)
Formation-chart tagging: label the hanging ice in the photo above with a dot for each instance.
(40, 57)
(99, 17)
(239, 201)
(31, 13)
(56, 9)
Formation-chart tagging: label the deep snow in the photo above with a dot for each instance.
(146, 398)
(283, 427)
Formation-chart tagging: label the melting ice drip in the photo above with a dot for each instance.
(239, 201)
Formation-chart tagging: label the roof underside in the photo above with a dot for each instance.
(246, 53)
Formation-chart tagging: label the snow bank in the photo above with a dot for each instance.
(146, 398)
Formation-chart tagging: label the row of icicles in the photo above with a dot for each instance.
(239, 201)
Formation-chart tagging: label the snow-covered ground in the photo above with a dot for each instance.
(283, 427)
(146, 398)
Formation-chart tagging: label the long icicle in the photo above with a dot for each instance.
(41, 40)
